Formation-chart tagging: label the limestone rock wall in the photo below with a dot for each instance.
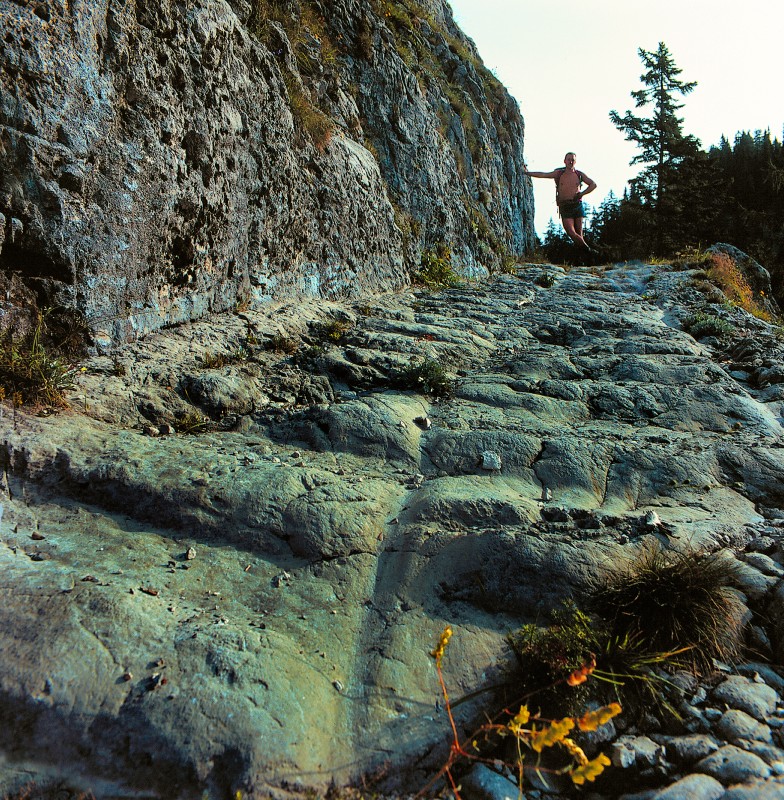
(163, 159)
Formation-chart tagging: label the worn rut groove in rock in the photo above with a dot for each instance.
(253, 607)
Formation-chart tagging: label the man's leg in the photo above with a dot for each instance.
(574, 230)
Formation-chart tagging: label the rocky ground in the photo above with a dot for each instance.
(251, 605)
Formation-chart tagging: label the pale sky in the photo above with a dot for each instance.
(569, 63)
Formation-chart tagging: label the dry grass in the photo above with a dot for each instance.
(317, 125)
(726, 274)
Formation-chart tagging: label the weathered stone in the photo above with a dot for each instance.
(756, 790)
(224, 161)
(336, 538)
(735, 724)
(752, 581)
(764, 564)
(730, 764)
(491, 460)
(772, 756)
(622, 755)
(690, 748)
(692, 787)
(738, 692)
(776, 615)
(483, 783)
(647, 753)
(763, 672)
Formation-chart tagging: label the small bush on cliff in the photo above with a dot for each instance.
(726, 274)
(219, 360)
(545, 280)
(282, 344)
(427, 376)
(435, 269)
(33, 372)
(334, 330)
(191, 422)
(700, 325)
(660, 609)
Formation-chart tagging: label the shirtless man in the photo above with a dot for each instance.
(569, 196)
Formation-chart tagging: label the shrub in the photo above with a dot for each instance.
(551, 652)
(32, 372)
(317, 125)
(523, 739)
(218, 360)
(545, 279)
(664, 601)
(435, 269)
(334, 330)
(427, 376)
(700, 325)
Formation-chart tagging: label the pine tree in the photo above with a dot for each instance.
(659, 136)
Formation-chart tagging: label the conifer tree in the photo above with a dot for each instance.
(659, 136)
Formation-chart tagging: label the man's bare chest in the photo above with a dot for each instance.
(568, 185)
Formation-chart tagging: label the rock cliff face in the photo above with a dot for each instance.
(161, 159)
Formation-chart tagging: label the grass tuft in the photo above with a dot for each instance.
(334, 330)
(545, 280)
(219, 360)
(32, 372)
(282, 344)
(191, 422)
(665, 601)
(318, 126)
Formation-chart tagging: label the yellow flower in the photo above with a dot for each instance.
(575, 751)
(581, 675)
(594, 719)
(547, 737)
(590, 770)
(438, 652)
(520, 719)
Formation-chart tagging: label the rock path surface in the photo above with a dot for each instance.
(252, 607)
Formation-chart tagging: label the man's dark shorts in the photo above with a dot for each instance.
(571, 209)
